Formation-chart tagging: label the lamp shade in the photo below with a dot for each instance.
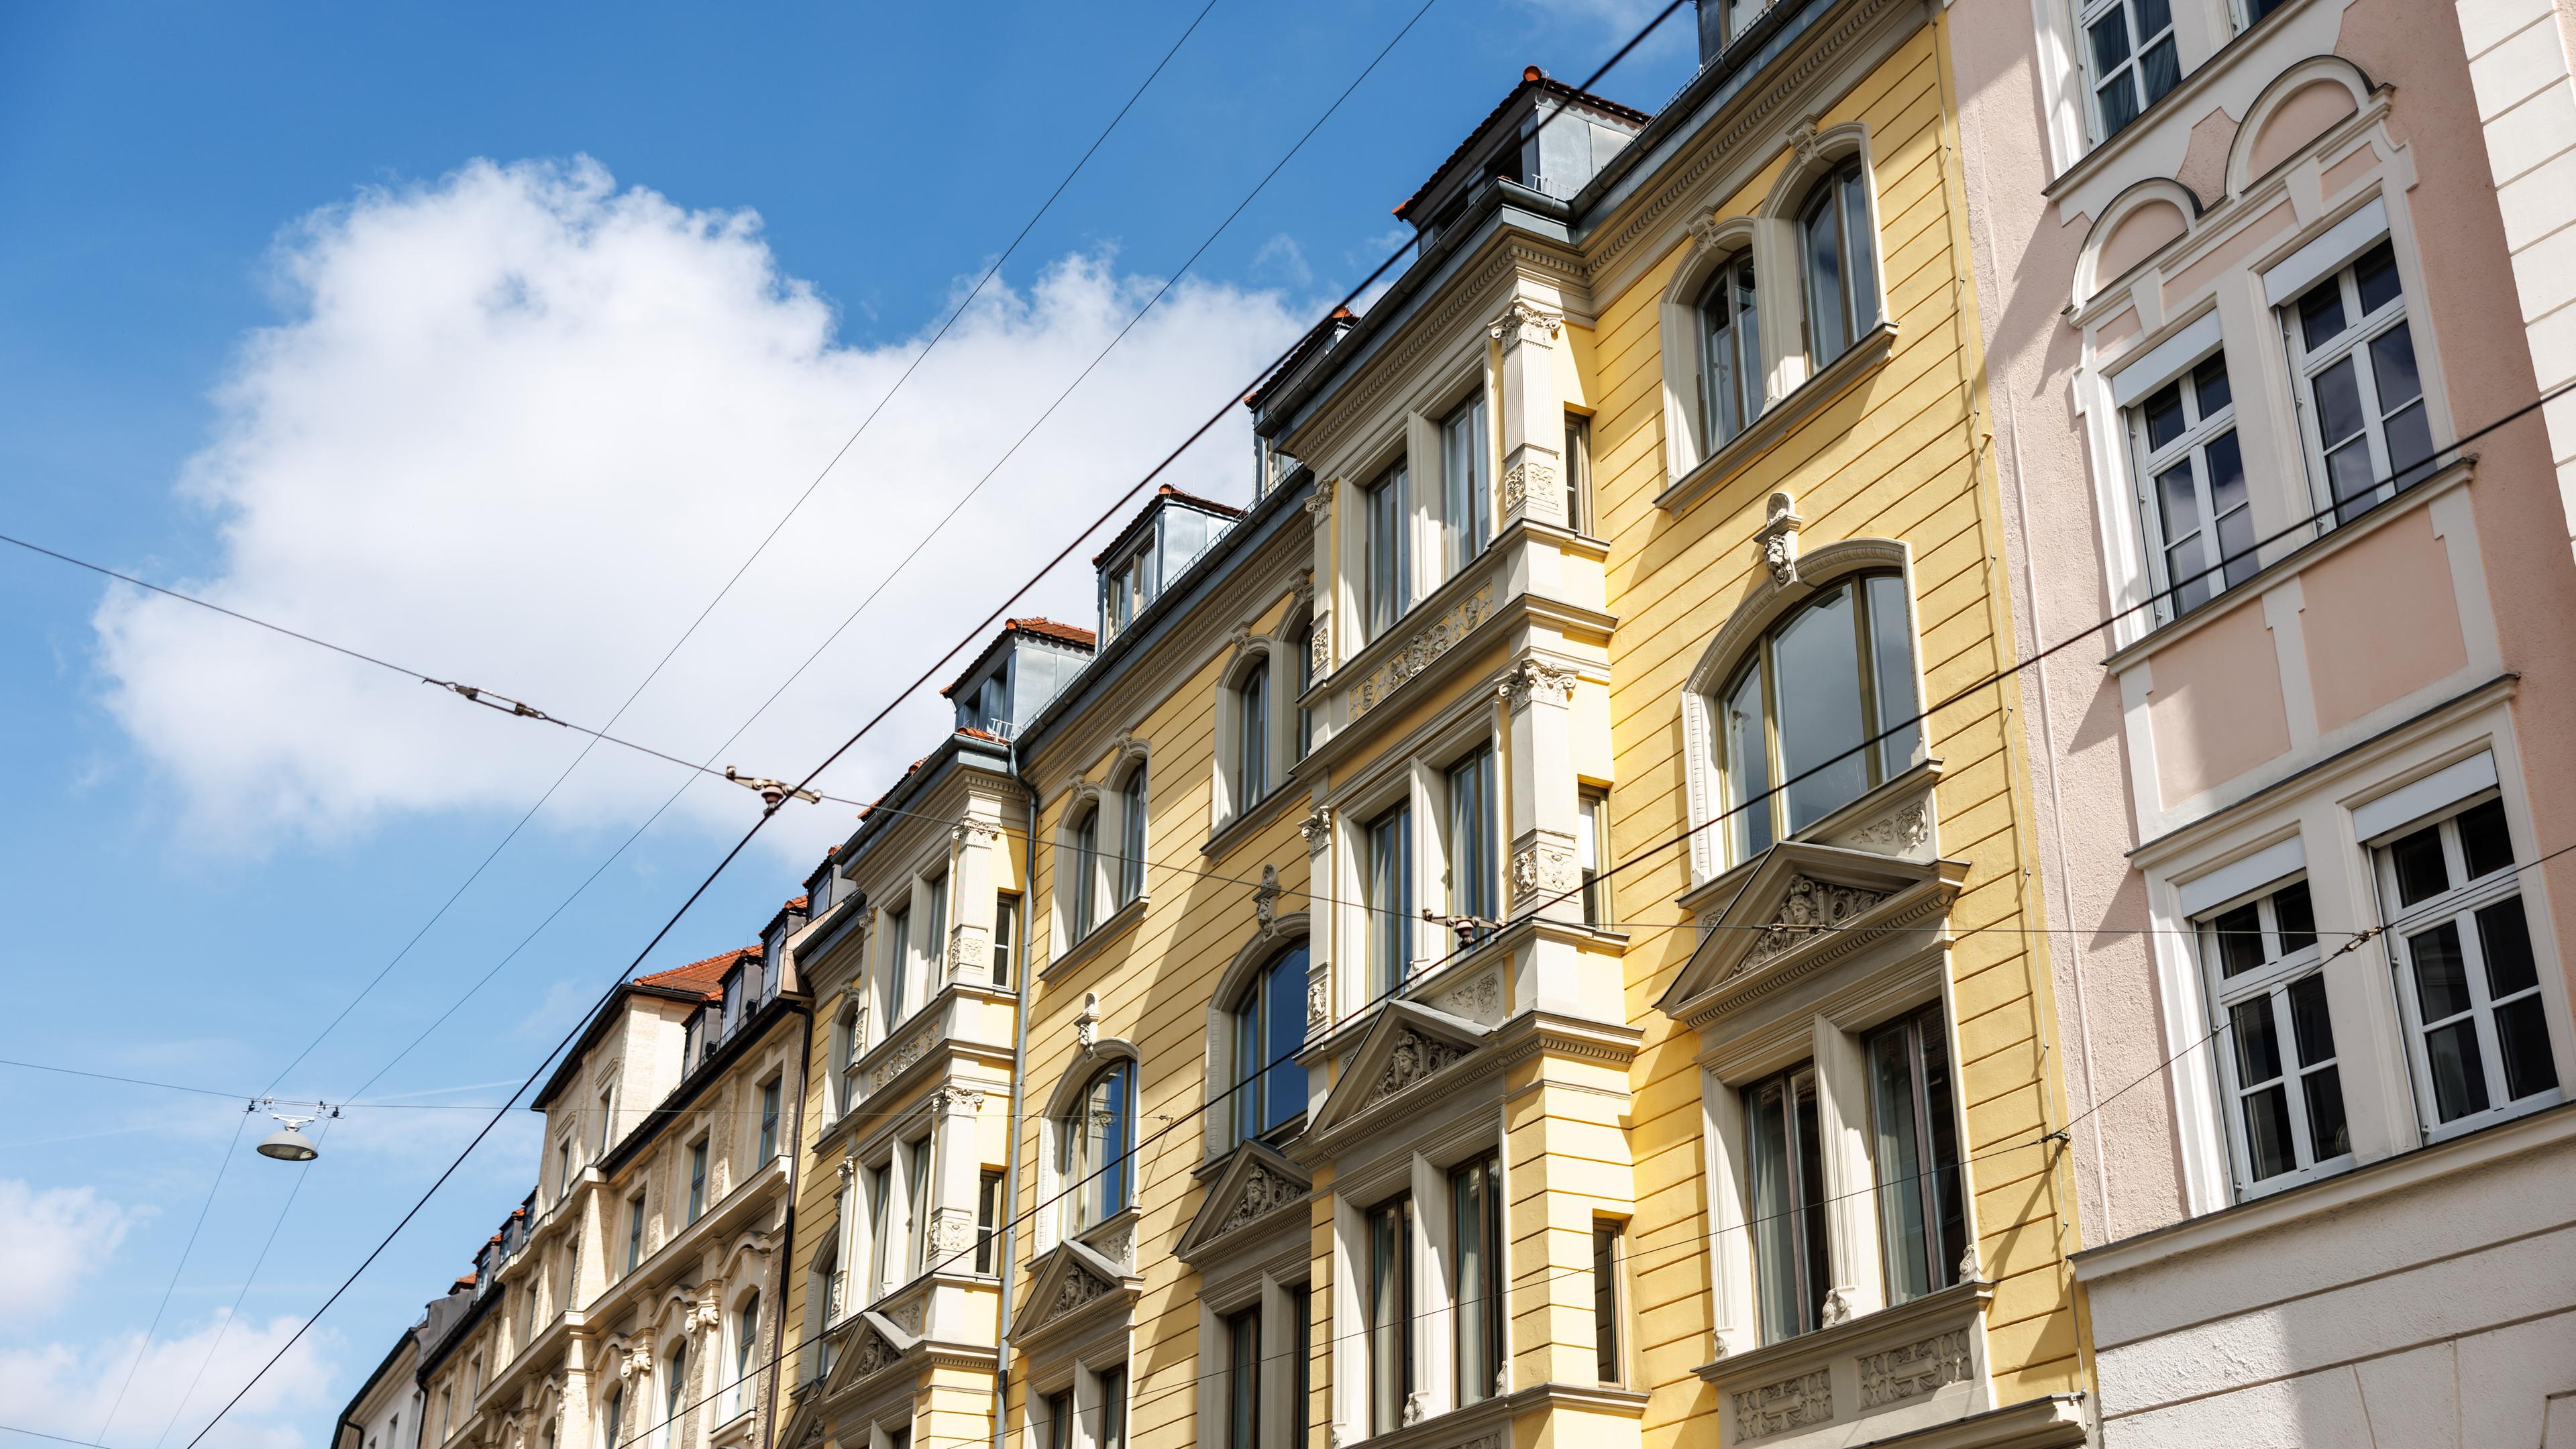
(288, 1145)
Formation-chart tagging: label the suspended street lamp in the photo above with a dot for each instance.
(288, 1144)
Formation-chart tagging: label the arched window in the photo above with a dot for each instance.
(613, 1423)
(1097, 1144)
(675, 1395)
(1838, 252)
(1252, 738)
(1131, 836)
(1822, 680)
(1086, 871)
(1305, 637)
(1730, 376)
(1269, 1025)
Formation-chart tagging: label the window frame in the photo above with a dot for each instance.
(1389, 837)
(1471, 827)
(1466, 482)
(1388, 1351)
(1578, 472)
(2291, 957)
(1082, 911)
(1921, 1035)
(1386, 550)
(1845, 194)
(1804, 1216)
(2356, 342)
(772, 1091)
(698, 1152)
(1242, 1394)
(2132, 67)
(1254, 1112)
(1006, 934)
(1475, 1187)
(1134, 799)
(1592, 852)
(635, 1204)
(2234, 564)
(1252, 736)
(1097, 1191)
(1736, 281)
(1610, 1301)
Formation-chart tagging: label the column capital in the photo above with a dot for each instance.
(1535, 681)
(1525, 321)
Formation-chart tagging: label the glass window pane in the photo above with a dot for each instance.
(2119, 98)
(2410, 445)
(1748, 341)
(2178, 500)
(2295, 916)
(2187, 562)
(2392, 369)
(2350, 477)
(1857, 245)
(2321, 313)
(2228, 504)
(2441, 976)
(2209, 385)
(2329, 1134)
(2160, 69)
(1811, 1219)
(2374, 276)
(2504, 937)
(1891, 634)
(1826, 335)
(2311, 1029)
(1284, 1026)
(2267, 1133)
(2258, 1051)
(2485, 843)
(1768, 1203)
(2153, 17)
(2459, 1070)
(2110, 41)
(2164, 415)
(1748, 768)
(2421, 872)
(2522, 1038)
(1818, 693)
(2239, 934)
(2338, 394)
(1896, 1156)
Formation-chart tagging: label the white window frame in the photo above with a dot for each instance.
(2189, 450)
(2282, 970)
(2353, 342)
(1465, 431)
(2131, 69)
(1386, 548)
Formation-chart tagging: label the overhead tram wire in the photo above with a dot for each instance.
(186, 1251)
(972, 638)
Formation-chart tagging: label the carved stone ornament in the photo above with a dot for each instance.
(1525, 321)
(1416, 1404)
(963, 1101)
(1265, 900)
(1319, 647)
(1478, 1000)
(1838, 1307)
(952, 1231)
(970, 951)
(1907, 829)
(968, 832)
(907, 1050)
(1319, 1002)
(1319, 502)
(1426, 644)
(1788, 1404)
(1263, 1192)
(1535, 681)
(907, 1315)
(1304, 593)
(1802, 139)
(1117, 1242)
(1317, 827)
(1541, 868)
(1078, 1288)
(1913, 1370)
(1086, 1026)
(1522, 481)
(637, 1362)
(1775, 547)
(1414, 1060)
(1809, 908)
(1970, 1269)
(1706, 230)
(876, 1355)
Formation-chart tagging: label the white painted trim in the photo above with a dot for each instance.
(2341, 243)
(2135, 379)
(2242, 877)
(2411, 802)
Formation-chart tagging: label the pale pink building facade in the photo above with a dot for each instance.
(2248, 272)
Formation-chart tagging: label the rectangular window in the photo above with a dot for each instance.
(769, 1092)
(697, 1178)
(988, 1213)
(1390, 899)
(898, 963)
(1389, 549)
(2277, 1066)
(1591, 853)
(1476, 1230)
(1059, 1420)
(2469, 982)
(1301, 1357)
(1006, 935)
(2362, 398)
(1305, 682)
(1467, 516)
(563, 1169)
(1475, 873)
(1609, 1255)
(916, 1205)
(1390, 1313)
(1243, 1379)
(1784, 1192)
(880, 1195)
(2191, 481)
(607, 1117)
(1914, 1152)
(634, 1231)
(1252, 735)
(732, 1000)
(1578, 473)
(2130, 47)
(935, 940)
(1113, 1410)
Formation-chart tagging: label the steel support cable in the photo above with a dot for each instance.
(144, 1349)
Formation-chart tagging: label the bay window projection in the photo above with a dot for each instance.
(1390, 1313)
(1252, 738)
(1476, 1230)
(2129, 46)
(1389, 898)
(1243, 1379)
(2200, 522)
(1097, 1144)
(1914, 1152)
(1086, 871)
(1730, 354)
(1836, 673)
(1475, 871)
(1839, 253)
(2354, 352)
(1784, 1202)
(2469, 981)
(1269, 1087)
(2283, 1087)
(1388, 552)
(1467, 515)
(1131, 837)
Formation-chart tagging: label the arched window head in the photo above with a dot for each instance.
(1793, 719)
(613, 1423)
(1131, 836)
(746, 1356)
(1085, 905)
(1730, 353)
(1269, 1088)
(1098, 1145)
(1838, 252)
(1252, 738)
(675, 1396)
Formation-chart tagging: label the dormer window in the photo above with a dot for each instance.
(773, 960)
(732, 1000)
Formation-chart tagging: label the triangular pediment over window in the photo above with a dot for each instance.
(1409, 1047)
(1256, 1184)
(1804, 907)
(1073, 1283)
(873, 1346)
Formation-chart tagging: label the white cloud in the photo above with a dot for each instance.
(49, 1242)
(522, 424)
(68, 1389)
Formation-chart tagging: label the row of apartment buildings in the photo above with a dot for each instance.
(1866, 771)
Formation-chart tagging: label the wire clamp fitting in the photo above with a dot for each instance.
(772, 793)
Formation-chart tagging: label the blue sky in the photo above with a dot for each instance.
(492, 339)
